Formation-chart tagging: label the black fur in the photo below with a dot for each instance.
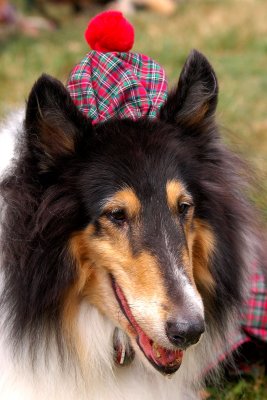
(57, 189)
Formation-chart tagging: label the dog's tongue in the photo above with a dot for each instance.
(162, 357)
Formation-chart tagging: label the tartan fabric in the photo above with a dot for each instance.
(252, 324)
(254, 315)
(117, 84)
(253, 319)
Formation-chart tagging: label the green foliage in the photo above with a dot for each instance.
(249, 389)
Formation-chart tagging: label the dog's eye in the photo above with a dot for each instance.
(117, 216)
(183, 208)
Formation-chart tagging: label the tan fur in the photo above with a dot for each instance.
(73, 296)
(174, 190)
(126, 199)
(100, 256)
(198, 116)
(176, 193)
(203, 247)
(110, 253)
(55, 141)
(199, 237)
(194, 118)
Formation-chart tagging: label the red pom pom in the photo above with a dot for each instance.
(110, 31)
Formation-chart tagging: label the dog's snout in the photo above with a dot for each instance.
(184, 333)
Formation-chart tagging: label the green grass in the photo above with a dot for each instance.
(232, 33)
(249, 389)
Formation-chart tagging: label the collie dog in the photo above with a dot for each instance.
(125, 248)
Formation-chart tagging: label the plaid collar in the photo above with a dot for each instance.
(252, 324)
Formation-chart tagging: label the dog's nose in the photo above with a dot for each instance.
(184, 333)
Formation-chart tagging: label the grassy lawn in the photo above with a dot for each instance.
(232, 34)
(242, 390)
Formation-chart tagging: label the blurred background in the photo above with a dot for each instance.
(47, 36)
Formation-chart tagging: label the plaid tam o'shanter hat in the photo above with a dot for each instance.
(110, 81)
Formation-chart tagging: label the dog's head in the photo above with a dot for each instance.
(129, 201)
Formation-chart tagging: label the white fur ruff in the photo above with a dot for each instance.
(98, 378)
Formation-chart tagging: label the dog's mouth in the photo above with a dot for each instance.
(164, 360)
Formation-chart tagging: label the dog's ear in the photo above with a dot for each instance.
(194, 100)
(54, 126)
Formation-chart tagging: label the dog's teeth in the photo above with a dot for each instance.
(156, 351)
